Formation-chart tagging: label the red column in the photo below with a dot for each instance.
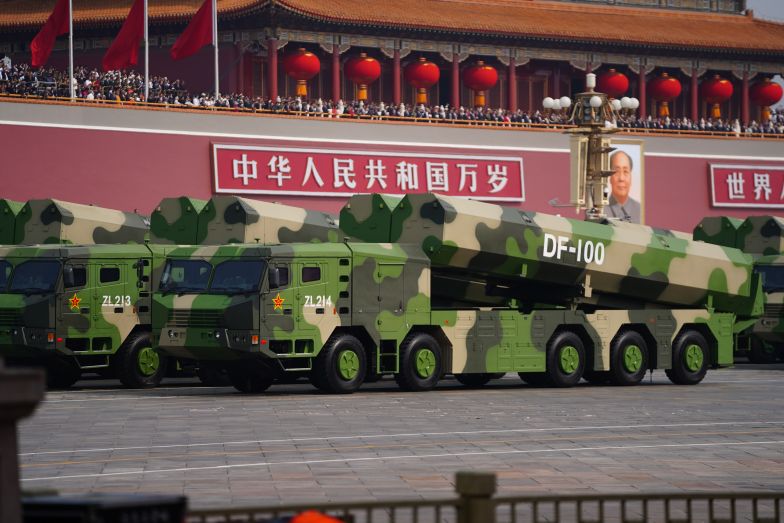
(512, 84)
(241, 69)
(272, 68)
(557, 83)
(396, 77)
(643, 98)
(744, 102)
(335, 73)
(455, 81)
(695, 100)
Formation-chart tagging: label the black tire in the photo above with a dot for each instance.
(762, 352)
(474, 381)
(628, 358)
(535, 379)
(420, 363)
(690, 358)
(565, 359)
(341, 365)
(61, 372)
(596, 377)
(249, 379)
(137, 364)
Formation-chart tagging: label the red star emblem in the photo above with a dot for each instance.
(75, 302)
(278, 301)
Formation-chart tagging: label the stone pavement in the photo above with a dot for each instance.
(293, 444)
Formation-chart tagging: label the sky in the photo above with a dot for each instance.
(770, 9)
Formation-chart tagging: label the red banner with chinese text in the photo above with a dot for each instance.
(760, 186)
(323, 171)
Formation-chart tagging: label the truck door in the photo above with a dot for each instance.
(113, 316)
(75, 305)
(314, 312)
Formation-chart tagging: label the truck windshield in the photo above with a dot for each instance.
(5, 272)
(237, 276)
(36, 276)
(185, 276)
(772, 277)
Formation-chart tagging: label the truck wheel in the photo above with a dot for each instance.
(341, 366)
(565, 359)
(420, 363)
(689, 359)
(628, 358)
(138, 365)
(762, 351)
(474, 381)
(61, 373)
(245, 378)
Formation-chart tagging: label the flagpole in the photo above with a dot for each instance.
(215, 43)
(146, 57)
(70, 51)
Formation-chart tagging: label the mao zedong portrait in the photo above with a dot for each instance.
(622, 205)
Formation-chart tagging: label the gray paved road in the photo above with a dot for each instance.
(293, 444)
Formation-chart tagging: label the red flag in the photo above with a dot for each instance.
(196, 35)
(56, 25)
(124, 51)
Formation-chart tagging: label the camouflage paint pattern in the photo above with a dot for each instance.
(9, 209)
(770, 328)
(176, 220)
(718, 230)
(562, 261)
(231, 219)
(368, 217)
(55, 221)
(761, 235)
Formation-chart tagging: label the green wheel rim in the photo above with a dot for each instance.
(569, 359)
(148, 361)
(632, 358)
(425, 363)
(348, 365)
(694, 357)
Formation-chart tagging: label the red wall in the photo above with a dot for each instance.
(134, 170)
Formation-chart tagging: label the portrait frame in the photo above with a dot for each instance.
(635, 149)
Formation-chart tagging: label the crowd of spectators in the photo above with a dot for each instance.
(128, 87)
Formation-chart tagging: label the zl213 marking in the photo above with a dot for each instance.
(116, 301)
(585, 251)
(317, 301)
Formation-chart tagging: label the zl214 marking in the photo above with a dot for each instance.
(116, 301)
(585, 251)
(317, 301)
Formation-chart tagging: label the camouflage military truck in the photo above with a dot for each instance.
(762, 341)
(92, 312)
(428, 285)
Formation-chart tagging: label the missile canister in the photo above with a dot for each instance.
(231, 219)
(9, 209)
(55, 221)
(176, 220)
(718, 230)
(761, 235)
(368, 217)
(545, 257)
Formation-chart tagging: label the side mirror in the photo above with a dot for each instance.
(68, 276)
(274, 278)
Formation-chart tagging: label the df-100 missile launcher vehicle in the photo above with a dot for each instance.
(87, 307)
(429, 285)
(762, 341)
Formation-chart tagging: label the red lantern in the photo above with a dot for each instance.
(362, 70)
(664, 89)
(716, 91)
(422, 75)
(301, 65)
(765, 94)
(479, 78)
(613, 83)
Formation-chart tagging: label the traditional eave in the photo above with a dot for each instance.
(527, 20)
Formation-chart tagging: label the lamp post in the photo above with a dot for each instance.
(556, 105)
(590, 147)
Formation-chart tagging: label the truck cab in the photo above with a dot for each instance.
(766, 344)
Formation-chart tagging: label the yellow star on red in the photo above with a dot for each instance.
(278, 302)
(75, 301)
